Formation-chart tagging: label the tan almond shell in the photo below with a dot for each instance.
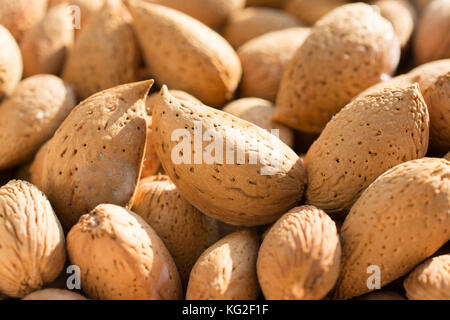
(11, 66)
(430, 280)
(213, 13)
(432, 40)
(31, 115)
(425, 75)
(249, 23)
(259, 111)
(400, 219)
(310, 11)
(121, 257)
(402, 15)
(44, 47)
(18, 16)
(264, 59)
(318, 82)
(37, 167)
(382, 295)
(106, 53)
(366, 138)
(179, 94)
(185, 231)
(227, 270)
(240, 193)
(184, 54)
(437, 97)
(31, 240)
(54, 294)
(97, 153)
(299, 257)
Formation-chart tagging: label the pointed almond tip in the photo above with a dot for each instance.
(164, 91)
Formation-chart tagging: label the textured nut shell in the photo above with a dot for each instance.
(184, 54)
(402, 15)
(37, 167)
(246, 24)
(186, 232)
(310, 11)
(122, 257)
(213, 13)
(400, 220)
(369, 136)
(437, 97)
(382, 295)
(235, 194)
(264, 59)
(432, 39)
(44, 47)
(180, 95)
(430, 280)
(18, 16)
(106, 53)
(30, 116)
(348, 50)
(96, 154)
(11, 66)
(226, 270)
(300, 255)
(54, 294)
(31, 240)
(259, 111)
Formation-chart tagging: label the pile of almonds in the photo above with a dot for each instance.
(224, 149)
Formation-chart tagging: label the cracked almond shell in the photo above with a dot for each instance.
(369, 136)
(213, 13)
(31, 115)
(18, 16)
(231, 189)
(186, 232)
(11, 66)
(259, 111)
(430, 280)
(249, 23)
(97, 153)
(432, 40)
(45, 46)
(121, 257)
(54, 294)
(348, 50)
(184, 54)
(300, 255)
(226, 270)
(264, 59)
(32, 248)
(400, 219)
(106, 53)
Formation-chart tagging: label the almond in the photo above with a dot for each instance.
(259, 111)
(249, 23)
(430, 280)
(264, 59)
(400, 220)
(366, 138)
(121, 257)
(228, 187)
(432, 41)
(186, 232)
(45, 45)
(96, 155)
(31, 240)
(37, 167)
(105, 54)
(300, 255)
(11, 66)
(54, 294)
(184, 54)
(226, 270)
(348, 50)
(30, 116)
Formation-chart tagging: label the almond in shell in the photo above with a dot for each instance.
(11, 66)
